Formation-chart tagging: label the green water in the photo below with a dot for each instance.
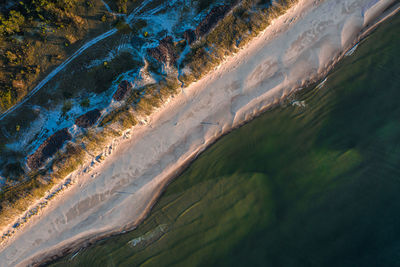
(313, 186)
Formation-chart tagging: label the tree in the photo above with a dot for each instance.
(13, 24)
(122, 6)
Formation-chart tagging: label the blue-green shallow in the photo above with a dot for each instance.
(299, 186)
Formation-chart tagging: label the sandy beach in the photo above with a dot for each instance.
(299, 48)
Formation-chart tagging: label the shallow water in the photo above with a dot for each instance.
(313, 185)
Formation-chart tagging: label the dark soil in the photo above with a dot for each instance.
(48, 148)
(123, 88)
(165, 51)
(88, 119)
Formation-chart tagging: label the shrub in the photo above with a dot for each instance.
(12, 24)
(66, 107)
(122, 26)
(13, 170)
(85, 103)
(11, 57)
(6, 99)
(122, 6)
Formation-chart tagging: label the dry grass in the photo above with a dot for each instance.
(67, 161)
(122, 118)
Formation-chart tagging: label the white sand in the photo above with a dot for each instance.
(298, 47)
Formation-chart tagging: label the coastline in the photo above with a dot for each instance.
(247, 107)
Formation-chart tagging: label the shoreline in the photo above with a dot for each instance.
(247, 111)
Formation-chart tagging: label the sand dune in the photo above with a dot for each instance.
(297, 48)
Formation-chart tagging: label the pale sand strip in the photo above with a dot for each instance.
(297, 48)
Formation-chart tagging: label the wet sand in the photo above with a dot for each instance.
(298, 48)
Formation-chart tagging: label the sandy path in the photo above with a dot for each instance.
(298, 46)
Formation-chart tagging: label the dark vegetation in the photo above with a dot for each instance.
(165, 52)
(122, 5)
(48, 148)
(123, 88)
(88, 119)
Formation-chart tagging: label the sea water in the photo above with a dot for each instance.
(313, 182)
